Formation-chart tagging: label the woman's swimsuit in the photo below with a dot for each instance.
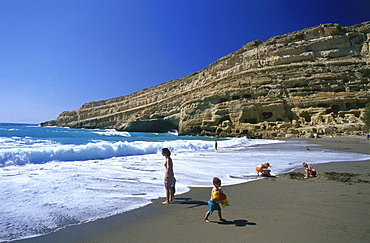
(169, 181)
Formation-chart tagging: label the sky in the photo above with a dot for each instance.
(56, 55)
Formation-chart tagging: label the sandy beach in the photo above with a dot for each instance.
(332, 207)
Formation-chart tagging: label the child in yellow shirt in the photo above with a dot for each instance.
(217, 198)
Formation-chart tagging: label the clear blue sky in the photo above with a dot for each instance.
(56, 55)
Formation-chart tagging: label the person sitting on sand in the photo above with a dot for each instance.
(310, 171)
(263, 169)
(214, 202)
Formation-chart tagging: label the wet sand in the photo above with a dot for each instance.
(332, 207)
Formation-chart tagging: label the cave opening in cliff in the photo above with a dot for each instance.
(334, 108)
(196, 130)
(267, 115)
(245, 131)
(349, 105)
(323, 105)
(225, 118)
(222, 100)
(306, 116)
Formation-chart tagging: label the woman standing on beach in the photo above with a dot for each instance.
(169, 177)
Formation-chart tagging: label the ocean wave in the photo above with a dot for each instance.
(103, 149)
(90, 151)
(24, 142)
(112, 132)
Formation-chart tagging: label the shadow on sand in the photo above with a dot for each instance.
(237, 222)
(196, 203)
(189, 201)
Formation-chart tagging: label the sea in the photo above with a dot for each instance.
(53, 177)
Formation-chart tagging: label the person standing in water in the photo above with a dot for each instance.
(169, 176)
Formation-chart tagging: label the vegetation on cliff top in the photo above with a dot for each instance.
(367, 115)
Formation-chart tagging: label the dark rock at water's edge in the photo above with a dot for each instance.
(307, 83)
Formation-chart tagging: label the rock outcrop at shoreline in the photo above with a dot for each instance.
(306, 83)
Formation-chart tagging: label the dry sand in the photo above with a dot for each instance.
(332, 207)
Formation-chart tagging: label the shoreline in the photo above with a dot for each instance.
(268, 210)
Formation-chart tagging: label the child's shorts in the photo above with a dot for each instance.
(212, 206)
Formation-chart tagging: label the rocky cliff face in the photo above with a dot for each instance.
(306, 83)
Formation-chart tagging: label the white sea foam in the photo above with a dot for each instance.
(16, 151)
(112, 132)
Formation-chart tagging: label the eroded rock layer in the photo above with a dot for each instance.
(306, 83)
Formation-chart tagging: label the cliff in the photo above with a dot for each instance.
(305, 83)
